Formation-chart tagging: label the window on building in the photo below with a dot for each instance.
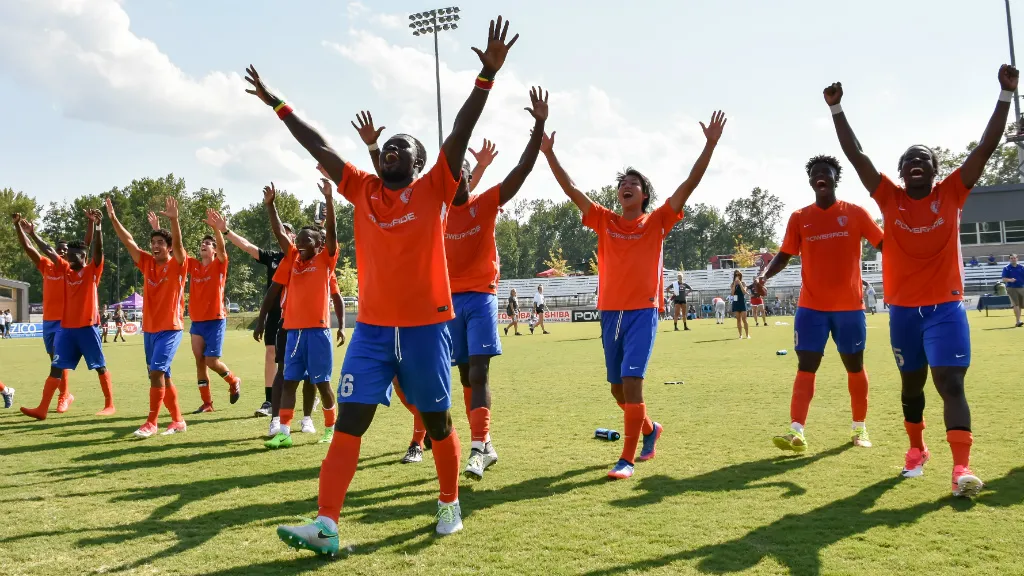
(726, 263)
(990, 232)
(1014, 230)
(968, 233)
(6, 292)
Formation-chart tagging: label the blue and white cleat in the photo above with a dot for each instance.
(8, 394)
(647, 451)
(316, 536)
(622, 470)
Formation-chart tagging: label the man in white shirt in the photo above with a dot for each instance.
(539, 309)
(3, 325)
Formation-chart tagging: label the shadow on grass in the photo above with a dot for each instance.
(797, 540)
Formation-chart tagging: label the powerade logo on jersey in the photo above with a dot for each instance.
(201, 280)
(397, 221)
(920, 229)
(155, 284)
(463, 235)
(621, 236)
(829, 236)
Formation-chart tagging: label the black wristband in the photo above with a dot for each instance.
(227, 231)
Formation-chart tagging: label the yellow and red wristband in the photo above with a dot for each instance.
(484, 83)
(283, 109)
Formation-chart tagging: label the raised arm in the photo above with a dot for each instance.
(171, 213)
(514, 181)
(308, 137)
(712, 133)
(122, 234)
(283, 240)
(974, 166)
(216, 221)
(29, 249)
(330, 224)
(483, 158)
(869, 176)
(581, 200)
(239, 241)
(370, 136)
(89, 229)
(491, 60)
(95, 225)
(43, 246)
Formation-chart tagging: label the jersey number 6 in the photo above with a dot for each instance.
(345, 390)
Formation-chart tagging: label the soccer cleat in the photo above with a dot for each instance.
(449, 518)
(307, 426)
(792, 440)
(264, 410)
(965, 483)
(413, 455)
(275, 427)
(315, 536)
(64, 403)
(206, 407)
(174, 428)
(236, 391)
(913, 466)
(475, 465)
(860, 437)
(327, 437)
(490, 455)
(506, 330)
(279, 441)
(648, 451)
(622, 470)
(8, 395)
(146, 430)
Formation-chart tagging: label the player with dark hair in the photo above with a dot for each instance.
(923, 277)
(827, 236)
(79, 335)
(629, 259)
(164, 270)
(678, 289)
(119, 320)
(399, 224)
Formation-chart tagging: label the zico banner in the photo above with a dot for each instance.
(549, 316)
(586, 315)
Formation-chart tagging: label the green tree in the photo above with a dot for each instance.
(15, 265)
(755, 218)
(348, 283)
(557, 263)
(703, 233)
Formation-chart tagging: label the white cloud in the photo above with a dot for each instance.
(390, 21)
(356, 9)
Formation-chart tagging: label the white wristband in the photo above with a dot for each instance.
(373, 147)
(836, 109)
(1005, 96)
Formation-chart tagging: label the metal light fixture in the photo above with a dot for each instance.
(432, 22)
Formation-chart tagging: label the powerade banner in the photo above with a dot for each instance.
(586, 315)
(27, 330)
(524, 317)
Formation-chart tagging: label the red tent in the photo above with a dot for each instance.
(549, 273)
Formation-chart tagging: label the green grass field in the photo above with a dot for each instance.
(80, 495)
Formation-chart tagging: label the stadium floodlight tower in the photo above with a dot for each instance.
(433, 22)
(1017, 138)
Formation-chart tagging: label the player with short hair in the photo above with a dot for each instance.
(79, 334)
(399, 224)
(827, 236)
(923, 278)
(164, 270)
(678, 289)
(629, 258)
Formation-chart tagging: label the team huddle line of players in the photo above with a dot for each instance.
(420, 225)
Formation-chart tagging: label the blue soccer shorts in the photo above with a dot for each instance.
(935, 335)
(160, 349)
(50, 330)
(309, 353)
(212, 333)
(474, 330)
(419, 356)
(628, 339)
(71, 344)
(811, 329)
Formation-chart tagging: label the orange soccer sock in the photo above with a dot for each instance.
(330, 416)
(204, 392)
(171, 402)
(648, 424)
(107, 386)
(960, 443)
(336, 472)
(156, 398)
(803, 392)
(63, 387)
(230, 378)
(2, 387)
(419, 430)
(286, 416)
(446, 462)
(49, 388)
(857, 383)
(915, 431)
(467, 395)
(632, 428)
(480, 424)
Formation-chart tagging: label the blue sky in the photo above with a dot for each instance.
(99, 92)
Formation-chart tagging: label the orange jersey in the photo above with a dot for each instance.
(629, 256)
(829, 245)
(308, 284)
(53, 287)
(206, 289)
(469, 243)
(400, 259)
(81, 303)
(921, 261)
(163, 298)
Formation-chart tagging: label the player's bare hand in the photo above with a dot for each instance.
(833, 94)
(269, 194)
(325, 188)
(1008, 76)
(257, 333)
(110, 207)
(93, 215)
(493, 57)
(485, 155)
(538, 103)
(366, 129)
(258, 88)
(547, 143)
(16, 218)
(215, 220)
(170, 208)
(154, 221)
(28, 226)
(713, 131)
(341, 337)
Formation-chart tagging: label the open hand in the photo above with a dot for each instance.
(833, 94)
(547, 143)
(493, 58)
(486, 155)
(27, 225)
(325, 188)
(154, 222)
(170, 208)
(269, 194)
(365, 128)
(713, 131)
(215, 220)
(110, 207)
(94, 215)
(539, 103)
(1008, 77)
(258, 88)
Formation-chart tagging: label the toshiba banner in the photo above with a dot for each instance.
(549, 316)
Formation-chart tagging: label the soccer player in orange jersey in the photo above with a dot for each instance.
(629, 259)
(827, 236)
(207, 276)
(923, 277)
(79, 334)
(164, 270)
(399, 225)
